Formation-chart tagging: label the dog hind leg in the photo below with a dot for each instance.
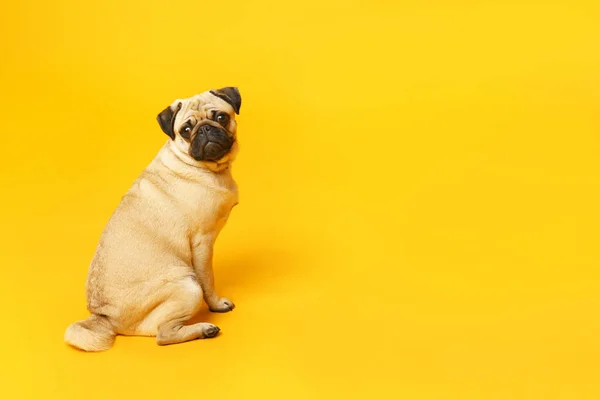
(168, 320)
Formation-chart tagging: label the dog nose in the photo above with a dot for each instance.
(205, 129)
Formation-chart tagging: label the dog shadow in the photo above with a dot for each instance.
(252, 272)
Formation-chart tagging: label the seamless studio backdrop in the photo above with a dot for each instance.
(419, 190)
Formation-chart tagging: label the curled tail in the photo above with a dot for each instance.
(92, 334)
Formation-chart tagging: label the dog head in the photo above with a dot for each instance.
(203, 126)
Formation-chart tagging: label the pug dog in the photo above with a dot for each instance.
(153, 263)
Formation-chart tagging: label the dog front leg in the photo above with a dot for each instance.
(202, 260)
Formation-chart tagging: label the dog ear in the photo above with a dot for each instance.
(231, 95)
(166, 119)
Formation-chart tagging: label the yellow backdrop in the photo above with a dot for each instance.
(419, 189)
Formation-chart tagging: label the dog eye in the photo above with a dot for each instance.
(186, 132)
(223, 119)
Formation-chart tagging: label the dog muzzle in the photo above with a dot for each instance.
(210, 143)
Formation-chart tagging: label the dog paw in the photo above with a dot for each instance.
(222, 306)
(210, 331)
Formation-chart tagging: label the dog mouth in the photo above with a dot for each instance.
(210, 143)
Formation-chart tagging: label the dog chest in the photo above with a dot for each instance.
(211, 208)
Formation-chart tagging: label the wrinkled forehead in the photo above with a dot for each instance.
(203, 103)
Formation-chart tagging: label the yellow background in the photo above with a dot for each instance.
(419, 195)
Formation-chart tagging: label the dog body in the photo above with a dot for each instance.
(153, 263)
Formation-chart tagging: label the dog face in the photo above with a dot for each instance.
(203, 126)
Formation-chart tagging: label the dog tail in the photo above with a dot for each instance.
(92, 334)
